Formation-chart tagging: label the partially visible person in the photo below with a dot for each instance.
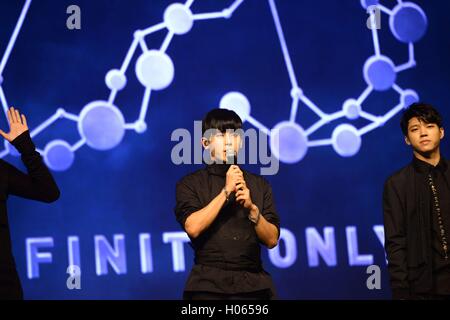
(37, 184)
(416, 203)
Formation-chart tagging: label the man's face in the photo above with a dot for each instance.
(423, 137)
(220, 143)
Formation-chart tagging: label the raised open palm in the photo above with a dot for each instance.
(17, 125)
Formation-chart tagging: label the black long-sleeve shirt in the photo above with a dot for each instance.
(38, 185)
(227, 254)
(412, 241)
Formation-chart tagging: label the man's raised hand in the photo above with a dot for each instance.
(17, 125)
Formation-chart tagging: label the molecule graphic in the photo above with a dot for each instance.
(102, 126)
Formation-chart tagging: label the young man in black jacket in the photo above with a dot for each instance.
(227, 213)
(416, 203)
(38, 184)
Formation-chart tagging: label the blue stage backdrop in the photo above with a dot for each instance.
(103, 101)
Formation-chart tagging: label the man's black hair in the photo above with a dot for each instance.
(424, 112)
(221, 119)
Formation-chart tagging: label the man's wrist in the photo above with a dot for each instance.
(227, 194)
(254, 214)
(23, 143)
(226, 189)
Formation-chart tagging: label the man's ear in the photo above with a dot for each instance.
(205, 143)
(407, 141)
(442, 133)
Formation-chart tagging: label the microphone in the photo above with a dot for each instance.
(231, 156)
(231, 159)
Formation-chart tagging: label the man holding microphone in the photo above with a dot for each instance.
(227, 213)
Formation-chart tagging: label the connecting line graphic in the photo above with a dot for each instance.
(148, 67)
(60, 113)
(379, 73)
(154, 70)
(101, 124)
(5, 58)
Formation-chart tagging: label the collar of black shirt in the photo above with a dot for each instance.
(425, 167)
(218, 169)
